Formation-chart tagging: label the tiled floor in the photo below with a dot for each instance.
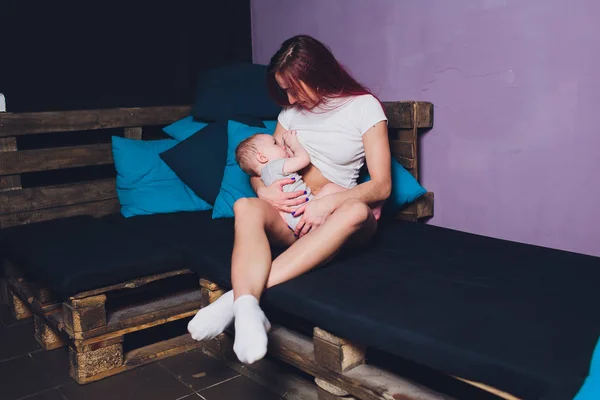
(29, 372)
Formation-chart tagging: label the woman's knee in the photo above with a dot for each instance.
(247, 206)
(356, 213)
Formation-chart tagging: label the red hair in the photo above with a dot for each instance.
(304, 58)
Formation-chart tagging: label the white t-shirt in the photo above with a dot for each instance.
(333, 137)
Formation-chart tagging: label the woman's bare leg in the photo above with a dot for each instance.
(352, 222)
(256, 222)
(251, 262)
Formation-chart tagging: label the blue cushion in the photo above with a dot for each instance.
(270, 125)
(236, 183)
(200, 159)
(405, 188)
(183, 128)
(145, 184)
(591, 387)
(233, 90)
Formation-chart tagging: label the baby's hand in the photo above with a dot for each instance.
(290, 139)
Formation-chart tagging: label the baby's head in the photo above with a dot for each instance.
(257, 150)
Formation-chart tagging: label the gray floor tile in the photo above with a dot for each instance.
(148, 382)
(240, 388)
(52, 394)
(20, 377)
(55, 364)
(198, 370)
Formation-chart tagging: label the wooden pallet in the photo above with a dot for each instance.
(96, 324)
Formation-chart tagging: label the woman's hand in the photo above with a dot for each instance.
(279, 199)
(314, 214)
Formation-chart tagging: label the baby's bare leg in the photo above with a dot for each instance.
(331, 188)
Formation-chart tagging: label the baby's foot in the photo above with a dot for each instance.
(212, 320)
(251, 327)
(376, 210)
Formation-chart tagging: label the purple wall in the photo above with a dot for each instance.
(515, 152)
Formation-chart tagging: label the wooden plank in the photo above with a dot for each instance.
(133, 133)
(17, 162)
(210, 292)
(399, 114)
(95, 208)
(56, 196)
(408, 163)
(9, 182)
(131, 284)
(336, 354)
(142, 316)
(84, 315)
(365, 381)
(420, 208)
(15, 124)
(490, 389)
(403, 149)
(424, 114)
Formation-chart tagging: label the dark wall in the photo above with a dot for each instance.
(58, 58)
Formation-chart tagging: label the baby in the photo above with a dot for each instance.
(261, 155)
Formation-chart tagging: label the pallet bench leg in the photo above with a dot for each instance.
(3, 291)
(19, 309)
(85, 314)
(327, 391)
(210, 292)
(338, 355)
(47, 336)
(90, 360)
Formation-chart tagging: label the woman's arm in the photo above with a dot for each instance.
(372, 192)
(378, 159)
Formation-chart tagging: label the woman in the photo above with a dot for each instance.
(342, 125)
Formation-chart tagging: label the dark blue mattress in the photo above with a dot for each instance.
(518, 317)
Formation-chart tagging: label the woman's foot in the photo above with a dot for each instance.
(251, 327)
(212, 320)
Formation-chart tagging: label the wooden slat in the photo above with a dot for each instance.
(424, 114)
(408, 163)
(55, 158)
(400, 114)
(403, 149)
(133, 133)
(15, 124)
(420, 208)
(95, 209)
(132, 284)
(56, 196)
(365, 381)
(138, 317)
(9, 182)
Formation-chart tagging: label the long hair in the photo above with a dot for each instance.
(304, 58)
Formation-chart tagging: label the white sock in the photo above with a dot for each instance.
(251, 327)
(212, 320)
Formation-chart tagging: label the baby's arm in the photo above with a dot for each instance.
(300, 159)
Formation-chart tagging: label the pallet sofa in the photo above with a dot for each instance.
(485, 317)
